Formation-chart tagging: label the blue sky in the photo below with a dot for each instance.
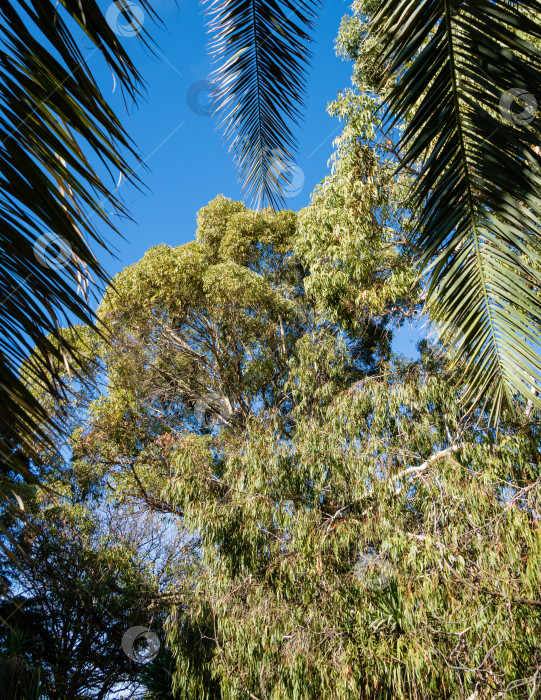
(188, 164)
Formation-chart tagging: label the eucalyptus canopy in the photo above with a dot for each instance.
(351, 531)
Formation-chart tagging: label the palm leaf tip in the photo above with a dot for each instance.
(258, 85)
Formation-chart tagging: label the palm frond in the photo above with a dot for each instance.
(55, 129)
(53, 202)
(457, 68)
(258, 86)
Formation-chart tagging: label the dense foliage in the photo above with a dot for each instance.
(347, 530)
(255, 477)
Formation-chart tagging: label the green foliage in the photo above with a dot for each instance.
(348, 531)
(448, 602)
(354, 235)
(222, 314)
(93, 569)
(227, 313)
(343, 528)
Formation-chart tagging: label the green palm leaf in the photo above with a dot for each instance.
(478, 192)
(259, 85)
(53, 122)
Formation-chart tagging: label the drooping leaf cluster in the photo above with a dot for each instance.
(464, 78)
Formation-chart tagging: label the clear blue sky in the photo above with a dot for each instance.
(187, 160)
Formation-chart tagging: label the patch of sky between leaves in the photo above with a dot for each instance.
(406, 338)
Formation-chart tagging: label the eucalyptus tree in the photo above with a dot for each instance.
(220, 325)
(375, 541)
(390, 548)
(58, 130)
(354, 533)
(205, 333)
(358, 535)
